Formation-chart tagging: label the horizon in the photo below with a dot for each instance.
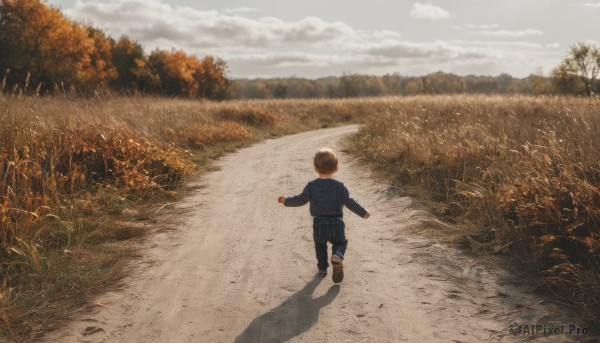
(377, 75)
(312, 40)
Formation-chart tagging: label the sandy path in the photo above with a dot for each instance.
(242, 268)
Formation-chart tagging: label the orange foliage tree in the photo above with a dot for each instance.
(40, 47)
(102, 69)
(38, 40)
(183, 74)
(176, 72)
(211, 79)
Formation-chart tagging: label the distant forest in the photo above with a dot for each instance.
(354, 85)
(575, 75)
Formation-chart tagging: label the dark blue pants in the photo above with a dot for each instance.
(328, 230)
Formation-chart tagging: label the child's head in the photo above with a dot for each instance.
(326, 161)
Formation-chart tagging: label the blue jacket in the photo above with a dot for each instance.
(327, 198)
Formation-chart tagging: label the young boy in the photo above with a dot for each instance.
(327, 197)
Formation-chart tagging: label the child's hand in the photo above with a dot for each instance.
(281, 199)
(367, 215)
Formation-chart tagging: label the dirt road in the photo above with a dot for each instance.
(241, 268)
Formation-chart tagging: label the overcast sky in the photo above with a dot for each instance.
(315, 38)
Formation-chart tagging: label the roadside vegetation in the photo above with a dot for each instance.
(518, 176)
(80, 179)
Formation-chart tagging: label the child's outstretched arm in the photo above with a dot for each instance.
(297, 200)
(353, 205)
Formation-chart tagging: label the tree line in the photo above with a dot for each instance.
(42, 50)
(575, 75)
(357, 85)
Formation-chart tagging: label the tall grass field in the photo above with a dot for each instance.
(82, 179)
(518, 176)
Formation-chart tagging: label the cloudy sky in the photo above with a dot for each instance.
(315, 38)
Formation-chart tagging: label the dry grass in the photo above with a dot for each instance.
(77, 174)
(520, 176)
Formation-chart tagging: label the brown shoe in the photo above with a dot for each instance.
(323, 272)
(338, 269)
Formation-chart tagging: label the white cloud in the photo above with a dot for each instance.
(152, 21)
(428, 11)
(437, 50)
(311, 46)
(241, 10)
(592, 4)
(469, 57)
(511, 34)
(592, 42)
(482, 26)
(282, 64)
(249, 46)
(493, 30)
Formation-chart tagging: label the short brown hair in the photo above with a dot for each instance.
(325, 161)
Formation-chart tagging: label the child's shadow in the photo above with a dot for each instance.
(294, 316)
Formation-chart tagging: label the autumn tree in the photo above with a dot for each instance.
(393, 83)
(583, 63)
(443, 83)
(132, 66)
(567, 82)
(302, 88)
(539, 84)
(181, 74)
(175, 70)
(413, 87)
(374, 86)
(211, 79)
(503, 82)
(279, 89)
(102, 70)
(38, 40)
(350, 85)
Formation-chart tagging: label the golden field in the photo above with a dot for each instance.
(514, 175)
(79, 177)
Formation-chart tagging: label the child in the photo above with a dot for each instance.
(327, 197)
